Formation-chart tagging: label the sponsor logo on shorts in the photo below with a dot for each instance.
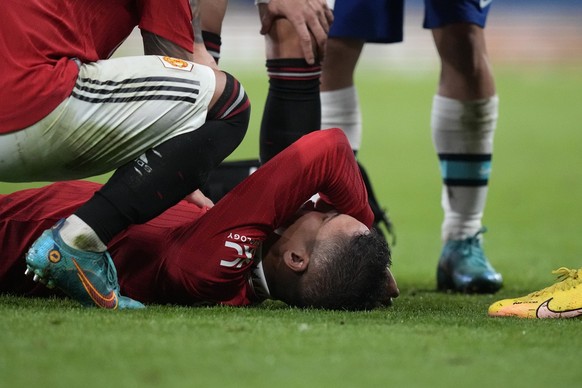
(176, 63)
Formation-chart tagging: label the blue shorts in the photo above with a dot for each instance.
(439, 13)
(381, 21)
(375, 21)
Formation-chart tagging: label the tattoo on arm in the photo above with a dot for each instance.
(196, 25)
(156, 45)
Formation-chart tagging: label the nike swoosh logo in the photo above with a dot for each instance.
(484, 3)
(544, 311)
(108, 301)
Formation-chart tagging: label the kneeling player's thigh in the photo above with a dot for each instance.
(120, 108)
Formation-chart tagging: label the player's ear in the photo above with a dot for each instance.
(296, 261)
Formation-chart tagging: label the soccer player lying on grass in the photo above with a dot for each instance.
(252, 245)
(70, 111)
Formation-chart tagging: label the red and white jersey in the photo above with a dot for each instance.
(189, 255)
(41, 38)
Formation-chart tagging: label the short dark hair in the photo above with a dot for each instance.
(349, 274)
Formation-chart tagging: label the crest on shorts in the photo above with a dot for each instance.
(175, 63)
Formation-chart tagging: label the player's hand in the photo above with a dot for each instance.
(199, 199)
(309, 17)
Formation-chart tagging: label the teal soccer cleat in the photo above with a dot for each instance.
(87, 277)
(463, 267)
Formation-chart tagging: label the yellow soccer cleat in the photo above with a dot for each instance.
(561, 300)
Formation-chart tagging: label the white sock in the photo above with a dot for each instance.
(341, 109)
(77, 234)
(463, 138)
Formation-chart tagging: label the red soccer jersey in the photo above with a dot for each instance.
(39, 39)
(189, 255)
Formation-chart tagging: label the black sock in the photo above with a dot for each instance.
(225, 177)
(293, 108)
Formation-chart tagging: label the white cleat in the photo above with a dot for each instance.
(28, 272)
(36, 278)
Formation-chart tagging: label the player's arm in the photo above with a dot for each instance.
(338, 178)
(319, 162)
(156, 45)
(167, 27)
(213, 11)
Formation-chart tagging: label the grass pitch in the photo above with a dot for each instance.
(426, 338)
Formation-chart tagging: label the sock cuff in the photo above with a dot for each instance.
(340, 108)
(472, 113)
(455, 115)
(345, 96)
(296, 69)
(232, 101)
(446, 101)
(213, 43)
(78, 234)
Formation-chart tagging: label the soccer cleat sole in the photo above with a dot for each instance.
(38, 276)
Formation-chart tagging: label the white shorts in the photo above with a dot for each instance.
(118, 109)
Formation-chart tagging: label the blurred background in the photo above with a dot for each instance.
(519, 32)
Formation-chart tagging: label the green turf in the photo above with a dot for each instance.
(426, 338)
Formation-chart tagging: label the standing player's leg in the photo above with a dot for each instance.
(355, 23)
(292, 108)
(340, 108)
(464, 117)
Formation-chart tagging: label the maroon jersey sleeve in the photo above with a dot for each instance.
(212, 258)
(320, 162)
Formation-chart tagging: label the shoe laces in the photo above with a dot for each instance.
(568, 278)
(567, 273)
(471, 247)
(111, 271)
(476, 237)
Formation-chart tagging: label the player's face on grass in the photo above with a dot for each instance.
(320, 227)
(333, 223)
